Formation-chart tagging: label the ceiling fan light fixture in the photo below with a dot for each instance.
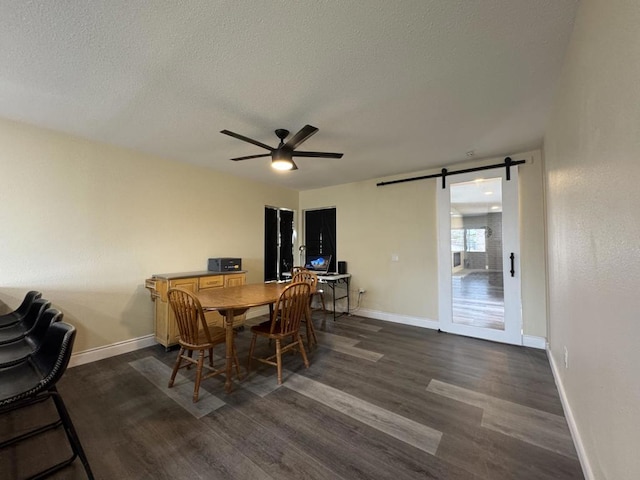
(282, 155)
(281, 161)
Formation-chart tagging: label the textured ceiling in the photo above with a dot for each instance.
(398, 86)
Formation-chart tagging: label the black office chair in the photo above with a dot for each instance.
(33, 381)
(18, 350)
(23, 327)
(14, 317)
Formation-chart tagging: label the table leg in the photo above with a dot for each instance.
(228, 320)
(348, 281)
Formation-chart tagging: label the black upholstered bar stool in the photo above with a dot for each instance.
(18, 350)
(14, 317)
(33, 380)
(23, 327)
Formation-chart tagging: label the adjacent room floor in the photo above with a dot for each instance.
(478, 299)
(380, 400)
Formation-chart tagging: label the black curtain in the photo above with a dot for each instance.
(278, 238)
(286, 241)
(320, 234)
(270, 244)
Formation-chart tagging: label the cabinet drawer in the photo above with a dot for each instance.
(234, 280)
(184, 283)
(211, 282)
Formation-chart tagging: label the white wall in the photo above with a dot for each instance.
(592, 158)
(374, 223)
(86, 223)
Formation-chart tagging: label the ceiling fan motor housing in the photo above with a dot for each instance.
(281, 133)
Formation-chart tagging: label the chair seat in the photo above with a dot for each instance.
(9, 319)
(16, 380)
(264, 328)
(12, 332)
(26, 324)
(19, 313)
(15, 352)
(18, 350)
(217, 335)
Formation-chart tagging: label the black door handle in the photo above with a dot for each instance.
(513, 270)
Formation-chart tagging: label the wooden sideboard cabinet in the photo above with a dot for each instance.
(165, 327)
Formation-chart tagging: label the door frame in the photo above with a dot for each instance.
(510, 243)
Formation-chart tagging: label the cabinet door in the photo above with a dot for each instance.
(211, 282)
(190, 284)
(234, 280)
(214, 318)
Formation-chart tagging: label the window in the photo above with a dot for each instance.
(468, 240)
(475, 240)
(457, 240)
(320, 234)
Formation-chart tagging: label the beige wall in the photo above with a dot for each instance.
(592, 152)
(372, 224)
(375, 223)
(86, 223)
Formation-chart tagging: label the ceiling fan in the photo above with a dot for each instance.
(281, 156)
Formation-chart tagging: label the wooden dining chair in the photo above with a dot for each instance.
(311, 278)
(284, 324)
(195, 336)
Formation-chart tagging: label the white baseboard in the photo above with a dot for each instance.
(100, 353)
(573, 427)
(403, 319)
(534, 342)
(527, 340)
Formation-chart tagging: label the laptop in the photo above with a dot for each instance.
(318, 263)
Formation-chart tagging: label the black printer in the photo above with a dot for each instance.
(224, 264)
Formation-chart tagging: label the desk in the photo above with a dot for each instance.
(335, 280)
(236, 301)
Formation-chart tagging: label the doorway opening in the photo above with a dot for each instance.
(279, 238)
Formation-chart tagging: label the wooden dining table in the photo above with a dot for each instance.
(232, 301)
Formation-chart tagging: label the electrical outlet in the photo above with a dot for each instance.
(566, 357)
(361, 290)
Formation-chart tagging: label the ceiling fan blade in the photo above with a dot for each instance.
(318, 154)
(251, 156)
(246, 139)
(304, 133)
(295, 167)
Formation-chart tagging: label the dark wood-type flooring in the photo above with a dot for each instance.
(379, 401)
(478, 299)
